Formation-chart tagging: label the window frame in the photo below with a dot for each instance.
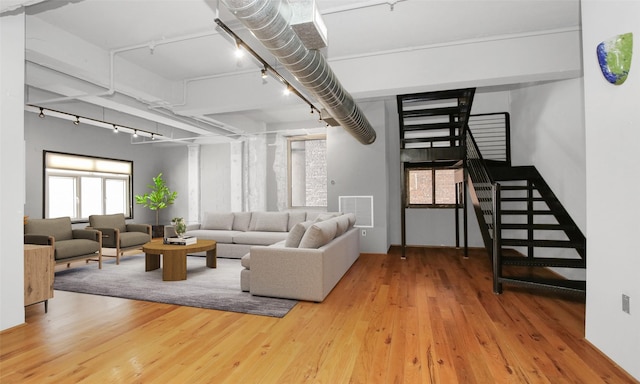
(433, 168)
(290, 140)
(78, 172)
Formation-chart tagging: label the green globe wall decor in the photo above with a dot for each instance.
(614, 57)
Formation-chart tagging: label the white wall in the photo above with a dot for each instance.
(12, 188)
(547, 130)
(612, 121)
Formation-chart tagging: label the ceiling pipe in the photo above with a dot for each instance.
(268, 20)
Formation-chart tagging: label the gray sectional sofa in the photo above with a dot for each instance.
(295, 255)
(236, 232)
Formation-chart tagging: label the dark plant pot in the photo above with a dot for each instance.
(157, 231)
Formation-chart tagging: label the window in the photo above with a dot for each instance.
(78, 186)
(307, 171)
(431, 187)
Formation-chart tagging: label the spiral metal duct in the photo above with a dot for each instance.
(269, 22)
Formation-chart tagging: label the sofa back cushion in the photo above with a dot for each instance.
(296, 233)
(59, 228)
(218, 220)
(241, 221)
(342, 222)
(327, 215)
(296, 217)
(115, 220)
(319, 234)
(269, 221)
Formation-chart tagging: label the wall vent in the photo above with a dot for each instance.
(361, 206)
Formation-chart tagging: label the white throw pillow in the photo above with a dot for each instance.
(296, 233)
(319, 234)
(220, 221)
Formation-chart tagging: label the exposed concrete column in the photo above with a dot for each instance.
(193, 183)
(236, 178)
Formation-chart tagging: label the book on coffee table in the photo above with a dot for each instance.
(186, 240)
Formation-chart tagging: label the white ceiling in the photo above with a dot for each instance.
(173, 42)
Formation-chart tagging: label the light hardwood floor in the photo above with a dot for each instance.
(429, 319)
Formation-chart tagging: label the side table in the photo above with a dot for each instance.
(38, 274)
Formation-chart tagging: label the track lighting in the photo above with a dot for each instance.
(100, 123)
(266, 68)
(239, 52)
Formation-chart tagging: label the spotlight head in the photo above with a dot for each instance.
(41, 115)
(77, 122)
(115, 129)
(135, 133)
(263, 73)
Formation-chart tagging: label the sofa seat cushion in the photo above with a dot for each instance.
(66, 249)
(212, 234)
(132, 239)
(259, 237)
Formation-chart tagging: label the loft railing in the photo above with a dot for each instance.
(481, 190)
(492, 134)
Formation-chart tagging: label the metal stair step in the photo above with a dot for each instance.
(542, 243)
(570, 286)
(526, 212)
(543, 262)
(518, 199)
(540, 227)
(455, 111)
(431, 126)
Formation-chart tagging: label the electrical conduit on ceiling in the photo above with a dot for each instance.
(268, 20)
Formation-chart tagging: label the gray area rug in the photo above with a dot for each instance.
(209, 288)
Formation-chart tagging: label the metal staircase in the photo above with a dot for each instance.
(523, 224)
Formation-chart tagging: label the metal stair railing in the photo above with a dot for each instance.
(481, 190)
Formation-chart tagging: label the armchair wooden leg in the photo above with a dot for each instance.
(118, 253)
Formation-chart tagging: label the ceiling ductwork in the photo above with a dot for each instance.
(269, 21)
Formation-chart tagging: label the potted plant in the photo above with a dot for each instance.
(159, 198)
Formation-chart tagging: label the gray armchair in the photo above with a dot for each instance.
(68, 244)
(116, 233)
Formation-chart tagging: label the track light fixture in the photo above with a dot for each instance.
(104, 124)
(266, 67)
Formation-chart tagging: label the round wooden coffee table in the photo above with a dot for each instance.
(174, 257)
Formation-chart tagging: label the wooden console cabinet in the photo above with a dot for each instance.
(38, 274)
